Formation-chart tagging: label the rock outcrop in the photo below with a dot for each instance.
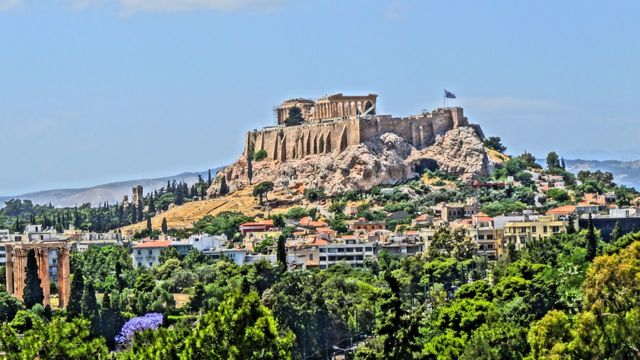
(383, 159)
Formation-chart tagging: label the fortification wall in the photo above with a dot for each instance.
(295, 142)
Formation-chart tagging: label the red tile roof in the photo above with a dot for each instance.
(152, 244)
(562, 210)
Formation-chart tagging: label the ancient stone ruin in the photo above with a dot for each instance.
(343, 144)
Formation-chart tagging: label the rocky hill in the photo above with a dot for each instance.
(383, 159)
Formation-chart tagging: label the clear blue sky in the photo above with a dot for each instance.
(95, 91)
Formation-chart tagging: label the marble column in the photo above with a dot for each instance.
(8, 250)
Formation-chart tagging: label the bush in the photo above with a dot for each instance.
(558, 195)
(313, 195)
(297, 213)
(260, 155)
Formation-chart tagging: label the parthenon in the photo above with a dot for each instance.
(329, 107)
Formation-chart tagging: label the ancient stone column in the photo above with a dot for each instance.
(42, 256)
(18, 282)
(63, 277)
(9, 267)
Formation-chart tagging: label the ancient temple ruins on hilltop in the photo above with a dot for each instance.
(334, 122)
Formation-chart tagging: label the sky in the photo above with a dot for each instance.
(95, 91)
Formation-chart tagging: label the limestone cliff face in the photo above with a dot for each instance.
(383, 159)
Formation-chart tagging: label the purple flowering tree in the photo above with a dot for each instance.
(150, 321)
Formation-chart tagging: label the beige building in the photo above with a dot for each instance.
(522, 232)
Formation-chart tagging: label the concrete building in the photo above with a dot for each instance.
(448, 212)
(351, 252)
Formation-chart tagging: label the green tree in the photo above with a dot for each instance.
(260, 155)
(553, 161)
(90, 309)
(262, 189)
(250, 163)
(75, 296)
(9, 307)
(282, 252)
(397, 328)
(149, 227)
(198, 300)
(241, 328)
(32, 288)
(224, 188)
(60, 339)
(592, 240)
(495, 143)
(165, 228)
(571, 224)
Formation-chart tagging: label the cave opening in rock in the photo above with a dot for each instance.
(425, 164)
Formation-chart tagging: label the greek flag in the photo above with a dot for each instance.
(449, 95)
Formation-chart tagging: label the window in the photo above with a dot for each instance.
(323, 250)
(150, 264)
(139, 264)
(139, 252)
(311, 257)
(533, 229)
(368, 248)
(544, 229)
(489, 237)
(359, 249)
(323, 258)
(150, 252)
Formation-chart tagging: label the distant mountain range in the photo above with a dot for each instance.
(111, 193)
(624, 172)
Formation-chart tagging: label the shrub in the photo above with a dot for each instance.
(260, 155)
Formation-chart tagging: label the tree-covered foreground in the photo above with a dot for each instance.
(547, 301)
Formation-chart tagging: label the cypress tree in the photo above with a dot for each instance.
(120, 280)
(250, 164)
(571, 226)
(77, 221)
(165, 228)
(140, 209)
(282, 252)
(149, 228)
(224, 188)
(209, 180)
(75, 296)
(199, 298)
(90, 309)
(33, 287)
(110, 321)
(592, 240)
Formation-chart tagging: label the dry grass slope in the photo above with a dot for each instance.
(181, 217)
